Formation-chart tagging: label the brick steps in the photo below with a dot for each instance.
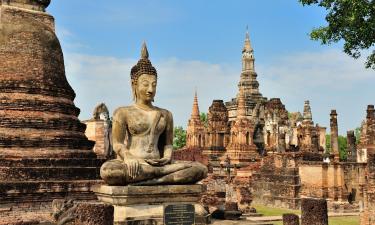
(46, 191)
(50, 162)
(48, 173)
(42, 142)
(67, 124)
(38, 105)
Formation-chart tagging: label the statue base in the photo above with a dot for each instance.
(145, 205)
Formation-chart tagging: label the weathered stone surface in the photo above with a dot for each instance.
(277, 182)
(290, 219)
(44, 153)
(367, 145)
(314, 212)
(94, 214)
(127, 195)
(145, 204)
(69, 212)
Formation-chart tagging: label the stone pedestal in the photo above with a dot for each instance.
(290, 219)
(142, 205)
(314, 211)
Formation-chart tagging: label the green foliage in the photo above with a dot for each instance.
(352, 21)
(357, 134)
(328, 142)
(179, 137)
(342, 146)
(204, 118)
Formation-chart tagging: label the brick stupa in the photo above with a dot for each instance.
(44, 153)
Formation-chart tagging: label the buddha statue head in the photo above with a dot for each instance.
(143, 78)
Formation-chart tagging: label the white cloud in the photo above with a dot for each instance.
(329, 79)
(98, 79)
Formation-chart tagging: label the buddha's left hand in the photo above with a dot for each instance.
(158, 162)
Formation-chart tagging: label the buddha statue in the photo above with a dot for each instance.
(142, 136)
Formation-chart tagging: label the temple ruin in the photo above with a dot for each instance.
(44, 153)
(279, 157)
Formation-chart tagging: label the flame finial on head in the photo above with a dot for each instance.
(143, 65)
(144, 51)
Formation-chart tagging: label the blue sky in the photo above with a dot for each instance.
(198, 44)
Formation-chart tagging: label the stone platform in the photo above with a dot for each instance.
(143, 205)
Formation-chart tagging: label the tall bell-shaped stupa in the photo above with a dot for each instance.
(44, 153)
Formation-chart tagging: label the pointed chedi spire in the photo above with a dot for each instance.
(307, 115)
(195, 110)
(241, 109)
(248, 55)
(247, 46)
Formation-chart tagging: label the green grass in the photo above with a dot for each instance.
(349, 220)
(268, 211)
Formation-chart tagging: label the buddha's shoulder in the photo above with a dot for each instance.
(164, 111)
(121, 111)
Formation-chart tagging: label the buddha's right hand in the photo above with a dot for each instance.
(133, 167)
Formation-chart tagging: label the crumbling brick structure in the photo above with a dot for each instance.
(367, 146)
(44, 153)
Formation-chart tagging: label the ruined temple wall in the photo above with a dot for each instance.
(342, 184)
(318, 179)
(276, 183)
(190, 154)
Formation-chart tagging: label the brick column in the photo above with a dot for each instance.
(334, 135)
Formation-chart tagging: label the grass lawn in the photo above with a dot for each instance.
(268, 211)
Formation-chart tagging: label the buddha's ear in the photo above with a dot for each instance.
(134, 90)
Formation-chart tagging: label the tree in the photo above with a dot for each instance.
(204, 118)
(179, 137)
(342, 146)
(352, 21)
(357, 134)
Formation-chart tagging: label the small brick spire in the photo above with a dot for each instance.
(195, 111)
(307, 115)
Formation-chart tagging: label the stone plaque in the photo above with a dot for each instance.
(179, 214)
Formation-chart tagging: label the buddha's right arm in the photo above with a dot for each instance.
(118, 137)
(119, 133)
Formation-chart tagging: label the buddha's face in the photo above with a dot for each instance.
(146, 87)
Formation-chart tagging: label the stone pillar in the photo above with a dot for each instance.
(95, 131)
(334, 135)
(282, 143)
(290, 219)
(314, 212)
(351, 146)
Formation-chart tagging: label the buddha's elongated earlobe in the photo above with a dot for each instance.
(134, 91)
